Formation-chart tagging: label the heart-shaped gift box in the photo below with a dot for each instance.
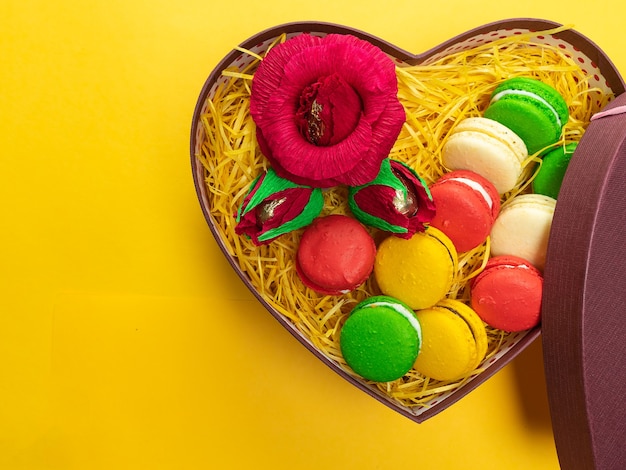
(581, 243)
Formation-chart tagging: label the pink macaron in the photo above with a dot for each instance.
(507, 294)
(336, 255)
(467, 205)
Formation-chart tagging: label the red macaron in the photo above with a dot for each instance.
(336, 255)
(507, 294)
(467, 205)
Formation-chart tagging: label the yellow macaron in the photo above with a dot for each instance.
(454, 341)
(419, 271)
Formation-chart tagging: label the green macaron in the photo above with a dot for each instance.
(532, 109)
(553, 167)
(381, 339)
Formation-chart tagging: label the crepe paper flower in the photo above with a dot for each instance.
(275, 206)
(326, 109)
(397, 201)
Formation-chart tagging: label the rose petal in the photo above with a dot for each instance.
(268, 76)
(387, 128)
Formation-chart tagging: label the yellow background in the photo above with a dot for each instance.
(125, 339)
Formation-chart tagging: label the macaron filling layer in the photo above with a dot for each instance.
(529, 94)
(514, 266)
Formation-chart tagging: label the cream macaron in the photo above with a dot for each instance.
(523, 227)
(488, 148)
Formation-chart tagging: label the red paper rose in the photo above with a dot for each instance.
(326, 109)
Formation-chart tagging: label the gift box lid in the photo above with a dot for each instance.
(584, 302)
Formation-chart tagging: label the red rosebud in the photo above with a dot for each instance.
(397, 201)
(275, 206)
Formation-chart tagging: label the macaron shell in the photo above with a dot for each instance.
(488, 148)
(552, 171)
(336, 254)
(379, 343)
(507, 294)
(463, 212)
(419, 271)
(523, 228)
(449, 349)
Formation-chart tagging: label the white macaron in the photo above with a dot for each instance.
(488, 148)
(523, 228)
